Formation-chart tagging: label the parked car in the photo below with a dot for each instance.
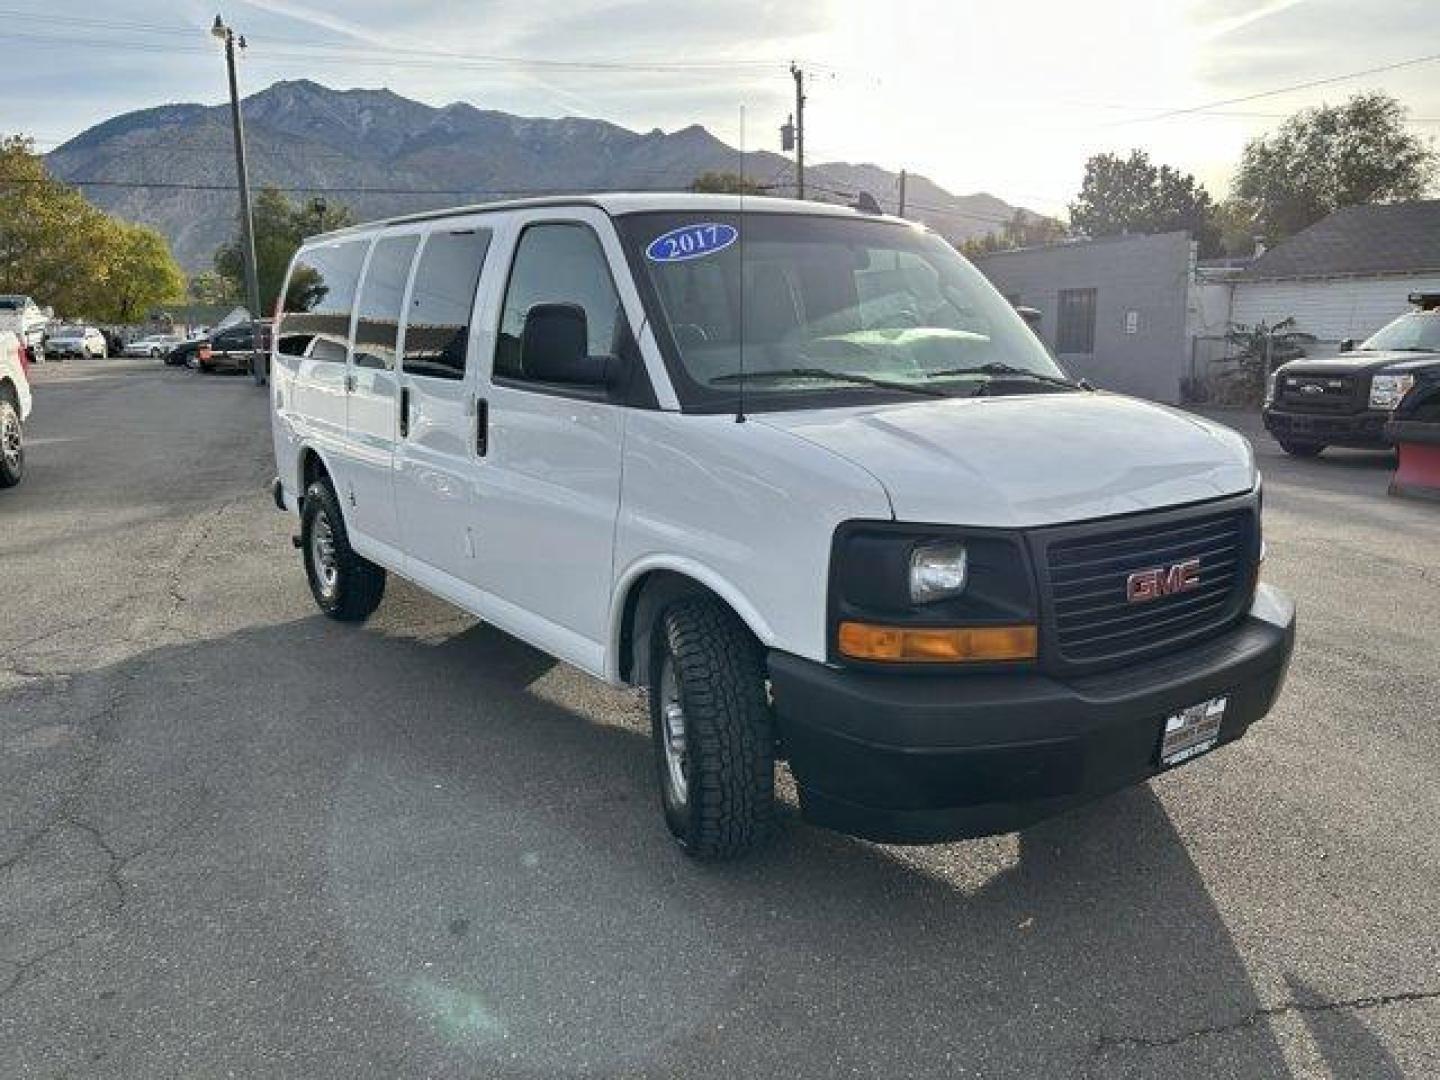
(155, 345)
(1347, 400)
(187, 353)
(235, 347)
(14, 407)
(822, 493)
(26, 319)
(82, 341)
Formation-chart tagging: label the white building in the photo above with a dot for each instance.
(1345, 276)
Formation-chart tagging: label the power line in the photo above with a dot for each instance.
(1311, 84)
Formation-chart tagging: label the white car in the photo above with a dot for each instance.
(82, 341)
(803, 474)
(26, 319)
(14, 409)
(156, 345)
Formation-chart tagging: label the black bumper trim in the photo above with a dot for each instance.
(920, 758)
(1362, 430)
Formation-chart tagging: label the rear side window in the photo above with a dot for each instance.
(381, 295)
(437, 328)
(561, 263)
(318, 298)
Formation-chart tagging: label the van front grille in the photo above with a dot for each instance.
(1096, 577)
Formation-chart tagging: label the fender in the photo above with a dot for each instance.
(684, 567)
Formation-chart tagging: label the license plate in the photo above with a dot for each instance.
(1192, 731)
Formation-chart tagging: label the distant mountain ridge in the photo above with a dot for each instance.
(382, 154)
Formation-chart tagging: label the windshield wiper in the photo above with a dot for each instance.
(995, 368)
(826, 373)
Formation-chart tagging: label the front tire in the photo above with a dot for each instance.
(345, 586)
(713, 732)
(12, 445)
(1301, 450)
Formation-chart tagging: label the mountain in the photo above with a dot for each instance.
(382, 154)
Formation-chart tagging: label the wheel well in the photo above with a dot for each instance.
(312, 468)
(647, 599)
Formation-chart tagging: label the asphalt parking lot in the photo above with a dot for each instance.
(237, 839)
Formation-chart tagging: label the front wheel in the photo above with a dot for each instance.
(713, 732)
(1301, 450)
(345, 586)
(12, 445)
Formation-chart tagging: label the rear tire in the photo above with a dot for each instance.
(1301, 450)
(12, 444)
(345, 586)
(713, 732)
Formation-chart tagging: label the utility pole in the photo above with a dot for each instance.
(247, 221)
(902, 194)
(799, 77)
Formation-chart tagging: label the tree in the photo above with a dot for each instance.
(1024, 229)
(280, 227)
(726, 183)
(1337, 155)
(58, 248)
(1132, 195)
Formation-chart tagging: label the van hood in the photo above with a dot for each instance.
(1029, 460)
(1361, 362)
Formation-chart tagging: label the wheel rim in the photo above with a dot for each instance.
(10, 444)
(322, 554)
(672, 735)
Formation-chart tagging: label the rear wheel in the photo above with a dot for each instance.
(713, 732)
(345, 586)
(12, 444)
(1301, 449)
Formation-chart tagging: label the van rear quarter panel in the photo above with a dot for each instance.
(744, 508)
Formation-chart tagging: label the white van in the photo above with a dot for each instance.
(802, 473)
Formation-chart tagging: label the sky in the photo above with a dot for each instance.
(1006, 97)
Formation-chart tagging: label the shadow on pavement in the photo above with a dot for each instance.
(360, 850)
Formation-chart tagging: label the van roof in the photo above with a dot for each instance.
(624, 202)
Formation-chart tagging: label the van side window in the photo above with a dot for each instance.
(558, 264)
(318, 297)
(437, 328)
(381, 294)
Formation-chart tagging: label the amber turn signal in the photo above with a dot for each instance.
(937, 645)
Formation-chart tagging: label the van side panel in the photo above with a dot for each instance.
(753, 506)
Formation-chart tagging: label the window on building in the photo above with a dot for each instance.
(1076, 332)
(437, 331)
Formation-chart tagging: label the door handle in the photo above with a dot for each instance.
(482, 426)
(349, 383)
(404, 411)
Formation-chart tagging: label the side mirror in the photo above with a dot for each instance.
(554, 347)
(1348, 345)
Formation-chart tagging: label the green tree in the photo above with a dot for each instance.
(1024, 229)
(1325, 158)
(1132, 195)
(58, 248)
(280, 227)
(208, 287)
(726, 183)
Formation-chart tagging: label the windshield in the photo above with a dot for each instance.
(824, 306)
(1418, 331)
(11, 303)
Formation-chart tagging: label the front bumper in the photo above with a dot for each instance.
(924, 758)
(1362, 430)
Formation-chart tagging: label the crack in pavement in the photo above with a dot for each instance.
(1105, 1043)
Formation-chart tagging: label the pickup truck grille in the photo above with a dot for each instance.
(1320, 393)
(1093, 618)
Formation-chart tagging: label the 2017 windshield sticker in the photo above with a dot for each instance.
(691, 242)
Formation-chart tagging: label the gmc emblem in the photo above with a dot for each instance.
(1158, 581)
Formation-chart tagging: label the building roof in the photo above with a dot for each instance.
(1396, 238)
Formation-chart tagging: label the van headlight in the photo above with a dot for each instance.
(937, 571)
(1387, 390)
(1270, 381)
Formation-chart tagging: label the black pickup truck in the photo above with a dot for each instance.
(1347, 400)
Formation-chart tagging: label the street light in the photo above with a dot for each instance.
(247, 223)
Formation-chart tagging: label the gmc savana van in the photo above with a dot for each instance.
(800, 472)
